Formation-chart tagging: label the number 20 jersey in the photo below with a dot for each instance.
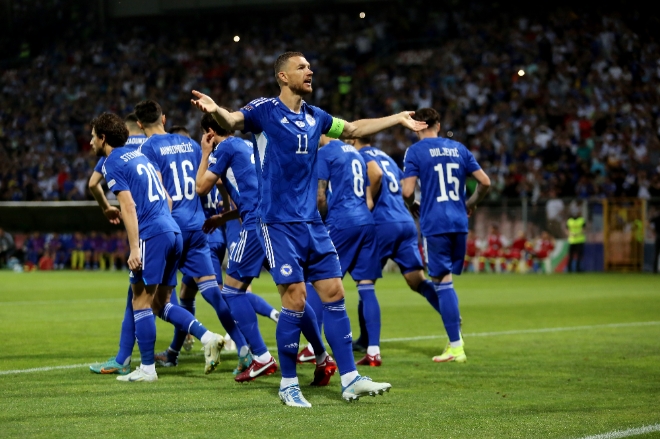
(177, 158)
(442, 166)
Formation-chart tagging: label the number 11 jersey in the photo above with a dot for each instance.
(442, 165)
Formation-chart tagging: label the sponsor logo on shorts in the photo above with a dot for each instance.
(286, 270)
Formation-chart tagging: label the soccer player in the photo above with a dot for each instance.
(154, 240)
(286, 134)
(396, 231)
(232, 161)
(344, 201)
(175, 159)
(442, 165)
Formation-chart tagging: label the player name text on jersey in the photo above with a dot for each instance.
(440, 152)
(176, 149)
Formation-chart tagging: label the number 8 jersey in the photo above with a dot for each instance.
(127, 169)
(177, 158)
(442, 166)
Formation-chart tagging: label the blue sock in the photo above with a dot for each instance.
(211, 293)
(310, 329)
(245, 318)
(371, 310)
(288, 338)
(260, 305)
(451, 317)
(145, 333)
(338, 334)
(180, 336)
(427, 290)
(182, 320)
(127, 334)
(314, 301)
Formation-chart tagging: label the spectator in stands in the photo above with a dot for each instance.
(78, 251)
(7, 247)
(47, 261)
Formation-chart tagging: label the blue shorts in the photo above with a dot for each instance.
(196, 256)
(358, 251)
(299, 252)
(217, 256)
(160, 257)
(445, 253)
(247, 257)
(232, 234)
(398, 241)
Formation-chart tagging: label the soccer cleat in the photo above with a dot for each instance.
(292, 396)
(167, 358)
(370, 360)
(306, 356)
(138, 375)
(111, 366)
(456, 355)
(448, 345)
(257, 369)
(243, 363)
(358, 347)
(363, 386)
(212, 353)
(324, 371)
(188, 343)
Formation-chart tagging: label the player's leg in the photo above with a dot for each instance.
(121, 363)
(446, 253)
(324, 271)
(313, 301)
(170, 357)
(262, 307)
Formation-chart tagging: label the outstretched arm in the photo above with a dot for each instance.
(229, 121)
(367, 127)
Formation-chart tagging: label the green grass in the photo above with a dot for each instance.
(559, 384)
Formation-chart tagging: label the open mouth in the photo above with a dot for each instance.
(308, 82)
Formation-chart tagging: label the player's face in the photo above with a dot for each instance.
(97, 144)
(299, 75)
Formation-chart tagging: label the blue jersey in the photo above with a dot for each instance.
(285, 151)
(127, 169)
(344, 169)
(177, 158)
(133, 142)
(441, 166)
(211, 206)
(388, 203)
(233, 161)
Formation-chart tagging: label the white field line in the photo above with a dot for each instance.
(390, 340)
(625, 433)
(63, 302)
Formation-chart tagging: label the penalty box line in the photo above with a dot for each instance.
(399, 339)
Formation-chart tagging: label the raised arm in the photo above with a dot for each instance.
(229, 121)
(131, 221)
(321, 200)
(480, 193)
(205, 179)
(367, 127)
(111, 212)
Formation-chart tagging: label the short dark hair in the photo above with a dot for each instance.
(366, 140)
(428, 115)
(179, 129)
(148, 111)
(112, 127)
(131, 117)
(282, 59)
(209, 121)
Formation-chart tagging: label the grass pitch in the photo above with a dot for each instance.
(548, 357)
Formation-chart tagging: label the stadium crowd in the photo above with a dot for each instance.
(566, 107)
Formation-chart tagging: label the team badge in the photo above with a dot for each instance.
(300, 123)
(286, 270)
(310, 120)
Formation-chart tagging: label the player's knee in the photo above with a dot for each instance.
(414, 278)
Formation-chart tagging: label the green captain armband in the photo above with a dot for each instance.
(336, 128)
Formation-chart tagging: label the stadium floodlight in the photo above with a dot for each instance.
(362, 15)
(521, 72)
(237, 39)
(450, 134)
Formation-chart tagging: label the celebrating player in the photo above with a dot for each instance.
(442, 166)
(155, 243)
(286, 131)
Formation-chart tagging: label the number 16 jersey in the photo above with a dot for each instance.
(442, 165)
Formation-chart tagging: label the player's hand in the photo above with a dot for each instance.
(212, 223)
(207, 143)
(414, 209)
(134, 260)
(113, 215)
(410, 123)
(203, 102)
(470, 208)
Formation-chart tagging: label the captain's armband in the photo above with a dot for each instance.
(336, 128)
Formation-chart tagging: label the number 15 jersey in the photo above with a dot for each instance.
(442, 165)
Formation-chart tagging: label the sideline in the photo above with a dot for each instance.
(427, 337)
